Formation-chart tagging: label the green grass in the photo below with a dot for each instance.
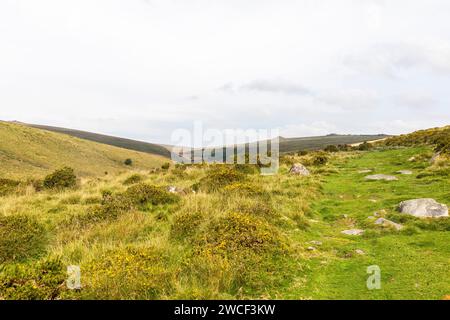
(415, 266)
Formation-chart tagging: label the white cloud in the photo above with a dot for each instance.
(144, 68)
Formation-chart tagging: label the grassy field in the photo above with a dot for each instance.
(32, 153)
(239, 235)
(414, 262)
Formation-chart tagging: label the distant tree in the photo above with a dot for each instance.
(165, 166)
(320, 160)
(128, 162)
(331, 148)
(364, 146)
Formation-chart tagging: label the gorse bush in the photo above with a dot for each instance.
(21, 237)
(60, 179)
(319, 159)
(331, 148)
(235, 232)
(243, 189)
(8, 186)
(186, 224)
(218, 177)
(128, 162)
(143, 194)
(438, 137)
(134, 178)
(165, 166)
(364, 146)
(129, 273)
(44, 280)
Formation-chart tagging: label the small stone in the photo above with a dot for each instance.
(388, 223)
(311, 248)
(408, 172)
(412, 159)
(345, 216)
(172, 189)
(381, 177)
(299, 169)
(360, 252)
(353, 232)
(315, 242)
(365, 171)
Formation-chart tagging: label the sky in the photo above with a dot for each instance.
(142, 69)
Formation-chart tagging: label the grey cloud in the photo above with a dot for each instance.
(390, 59)
(276, 87)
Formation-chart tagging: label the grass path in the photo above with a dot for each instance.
(414, 265)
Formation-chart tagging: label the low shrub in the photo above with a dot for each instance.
(331, 148)
(218, 177)
(8, 186)
(319, 159)
(236, 232)
(129, 273)
(143, 194)
(186, 224)
(165, 166)
(21, 237)
(134, 178)
(60, 179)
(243, 189)
(44, 280)
(128, 162)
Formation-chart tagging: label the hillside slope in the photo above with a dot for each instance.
(320, 142)
(110, 140)
(437, 137)
(31, 152)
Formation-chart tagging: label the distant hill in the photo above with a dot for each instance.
(30, 152)
(320, 142)
(110, 140)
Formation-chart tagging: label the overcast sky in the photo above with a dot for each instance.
(143, 68)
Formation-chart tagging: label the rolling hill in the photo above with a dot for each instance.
(286, 144)
(110, 140)
(31, 152)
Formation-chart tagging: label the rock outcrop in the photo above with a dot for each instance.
(299, 169)
(428, 208)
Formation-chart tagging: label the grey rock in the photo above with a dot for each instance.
(388, 223)
(359, 251)
(365, 171)
(426, 207)
(315, 242)
(353, 232)
(299, 169)
(381, 177)
(311, 248)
